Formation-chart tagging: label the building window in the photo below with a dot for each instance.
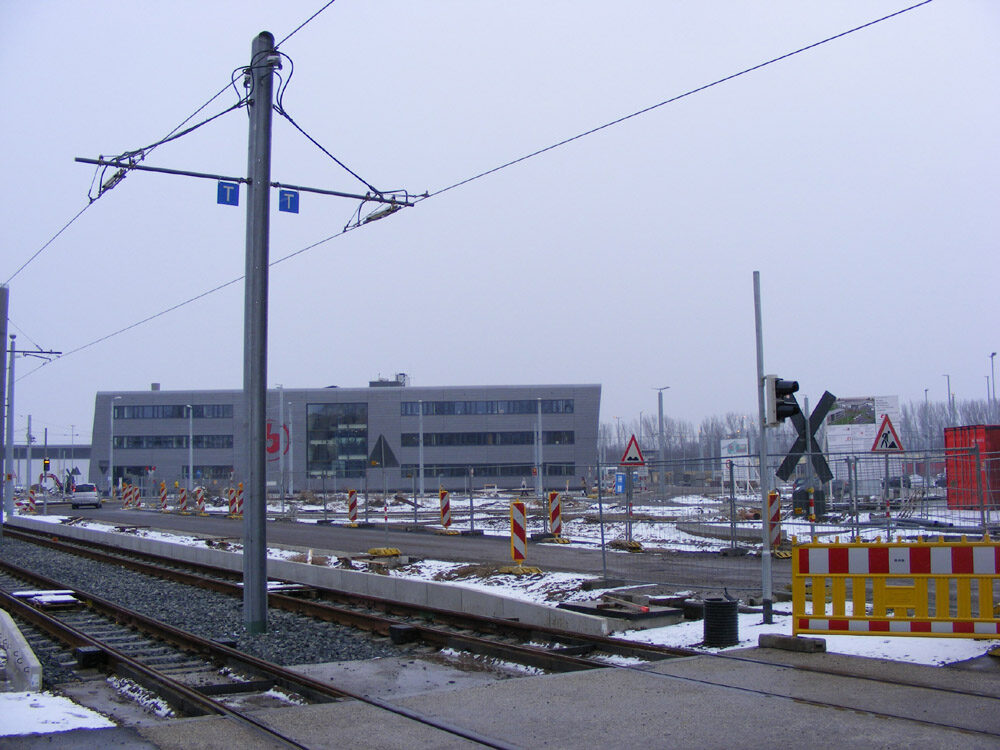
(174, 411)
(336, 439)
(141, 442)
(477, 408)
(457, 439)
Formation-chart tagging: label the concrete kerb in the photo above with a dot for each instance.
(24, 672)
(455, 598)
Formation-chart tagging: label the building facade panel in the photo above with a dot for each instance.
(345, 437)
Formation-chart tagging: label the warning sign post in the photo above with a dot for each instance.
(631, 458)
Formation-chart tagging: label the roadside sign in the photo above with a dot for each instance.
(288, 201)
(228, 194)
(886, 439)
(620, 483)
(632, 455)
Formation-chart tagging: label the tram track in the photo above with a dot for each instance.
(507, 640)
(549, 649)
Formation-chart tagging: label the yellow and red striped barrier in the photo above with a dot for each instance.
(947, 589)
(555, 514)
(774, 519)
(518, 532)
(352, 507)
(445, 508)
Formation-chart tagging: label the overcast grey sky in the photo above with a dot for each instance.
(861, 178)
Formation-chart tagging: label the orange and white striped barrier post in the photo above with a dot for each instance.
(774, 519)
(199, 497)
(184, 501)
(31, 501)
(136, 497)
(239, 500)
(231, 497)
(555, 514)
(352, 507)
(518, 532)
(163, 497)
(445, 508)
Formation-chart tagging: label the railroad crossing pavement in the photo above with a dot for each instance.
(752, 697)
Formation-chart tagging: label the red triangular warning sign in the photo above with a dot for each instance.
(886, 439)
(632, 455)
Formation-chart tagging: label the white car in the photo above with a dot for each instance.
(85, 494)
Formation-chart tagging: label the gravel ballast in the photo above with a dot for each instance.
(290, 639)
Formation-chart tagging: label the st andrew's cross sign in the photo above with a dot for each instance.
(798, 448)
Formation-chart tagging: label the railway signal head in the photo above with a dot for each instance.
(780, 399)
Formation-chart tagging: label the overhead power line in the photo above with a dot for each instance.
(672, 99)
(468, 180)
(301, 25)
(167, 138)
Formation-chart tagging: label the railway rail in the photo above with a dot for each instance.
(550, 649)
(547, 649)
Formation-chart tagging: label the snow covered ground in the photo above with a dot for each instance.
(26, 713)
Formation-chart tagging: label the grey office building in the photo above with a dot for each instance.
(340, 438)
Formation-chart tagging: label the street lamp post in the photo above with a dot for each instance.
(111, 450)
(951, 409)
(993, 380)
(661, 446)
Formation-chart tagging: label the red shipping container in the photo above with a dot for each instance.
(960, 465)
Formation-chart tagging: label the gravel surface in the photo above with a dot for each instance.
(290, 638)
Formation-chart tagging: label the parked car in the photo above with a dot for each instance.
(898, 482)
(85, 494)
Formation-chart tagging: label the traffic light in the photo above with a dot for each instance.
(781, 403)
(45, 465)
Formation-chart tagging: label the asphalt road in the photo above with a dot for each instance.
(701, 570)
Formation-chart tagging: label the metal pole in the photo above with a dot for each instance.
(41, 481)
(854, 499)
(190, 449)
(420, 445)
(888, 496)
(662, 446)
(993, 380)
(281, 451)
(255, 332)
(979, 487)
(8, 495)
(291, 454)
(539, 483)
(600, 518)
(5, 490)
(27, 454)
(732, 505)
(765, 476)
(472, 507)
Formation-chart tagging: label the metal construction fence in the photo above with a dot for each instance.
(693, 523)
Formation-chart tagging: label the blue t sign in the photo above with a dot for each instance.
(229, 193)
(288, 200)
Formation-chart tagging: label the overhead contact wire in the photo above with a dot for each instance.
(686, 94)
(481, 174)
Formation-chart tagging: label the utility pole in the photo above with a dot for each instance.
(5, 490)
(259, 82)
